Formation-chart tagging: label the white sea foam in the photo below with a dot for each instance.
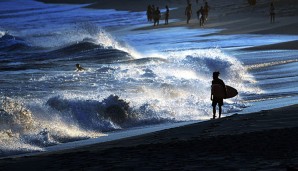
(2, 33)
(268, 64)
(106, 40)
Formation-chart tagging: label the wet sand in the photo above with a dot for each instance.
(292, 45)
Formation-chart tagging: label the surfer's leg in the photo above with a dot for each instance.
(220, 103)
(214, 112)
(214, 108)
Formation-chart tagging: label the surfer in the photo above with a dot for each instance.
(217, 100)
(79, 68)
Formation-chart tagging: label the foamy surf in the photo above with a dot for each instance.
(143, 93)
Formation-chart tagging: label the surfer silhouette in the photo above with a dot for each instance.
(214, 96)
(79, 68)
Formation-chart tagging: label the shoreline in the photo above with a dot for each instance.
(231, 17)
(261, 140)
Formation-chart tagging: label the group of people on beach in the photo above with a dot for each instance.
(202, 13)
(153, 13)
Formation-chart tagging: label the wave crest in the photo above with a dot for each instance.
(10, 43)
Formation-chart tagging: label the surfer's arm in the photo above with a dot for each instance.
(224, 88)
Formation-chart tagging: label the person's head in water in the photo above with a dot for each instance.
(216, 75)
(79, 68)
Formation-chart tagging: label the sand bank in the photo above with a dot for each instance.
(233, 17)
(292, 45)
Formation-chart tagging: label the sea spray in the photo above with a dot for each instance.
(22, 130)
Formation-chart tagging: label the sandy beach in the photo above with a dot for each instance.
(259, 141)
(265, 140)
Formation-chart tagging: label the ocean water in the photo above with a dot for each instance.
(133, 79)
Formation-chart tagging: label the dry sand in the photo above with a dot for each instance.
(265, 140)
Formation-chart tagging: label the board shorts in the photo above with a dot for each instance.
(216, 101)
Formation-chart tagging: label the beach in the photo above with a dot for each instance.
(259, 141)
(264, 140)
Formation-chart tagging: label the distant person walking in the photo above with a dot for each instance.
(167, 15)
(157, 16)
(215, 99)
(201, 16)
(188, 12)
(272, 13)
(152, 11)
(149, 13)
(206, 10)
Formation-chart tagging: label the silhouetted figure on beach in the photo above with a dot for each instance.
(149, 13)
(217, 100)
(272, 13)
(201, 16)
(156, 16)
(167, 15)
(152, 12)
(206, 10)
(188, 12)
(79, 68)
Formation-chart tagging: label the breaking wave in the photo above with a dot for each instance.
(119, 89)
